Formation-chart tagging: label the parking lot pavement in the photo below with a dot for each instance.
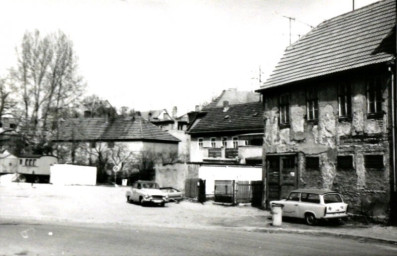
(107, 205)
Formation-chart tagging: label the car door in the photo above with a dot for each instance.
(291, 205)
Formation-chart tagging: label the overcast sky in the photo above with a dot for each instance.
(154, 54)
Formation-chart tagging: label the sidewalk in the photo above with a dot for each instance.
(351, 229)
(107, 205)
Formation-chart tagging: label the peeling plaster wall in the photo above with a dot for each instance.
(367, 191)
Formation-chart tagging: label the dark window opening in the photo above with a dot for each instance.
(310, 198)
(374, 97)
(312, 163)
(311, 104)
(345, 162)
(344, 101)
(293, 197)
(374, 161)
(284, 110)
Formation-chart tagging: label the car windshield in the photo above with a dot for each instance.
(332, 198)
(150, 185)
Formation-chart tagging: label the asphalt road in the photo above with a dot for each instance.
(49, 239)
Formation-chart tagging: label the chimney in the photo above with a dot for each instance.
(225, 105)
(197, 108)
(174, 112)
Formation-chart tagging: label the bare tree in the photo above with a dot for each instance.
(7, 103)
(47, 81)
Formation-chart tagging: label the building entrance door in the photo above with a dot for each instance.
(282, 176)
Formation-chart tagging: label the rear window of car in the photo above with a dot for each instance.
(332, 198)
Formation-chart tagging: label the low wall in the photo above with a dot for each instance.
(64, 174)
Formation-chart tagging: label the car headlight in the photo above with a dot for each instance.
(147, 196)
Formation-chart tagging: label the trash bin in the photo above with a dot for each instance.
(277, 214)
(124, 182)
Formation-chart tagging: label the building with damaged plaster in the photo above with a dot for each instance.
(328, 112)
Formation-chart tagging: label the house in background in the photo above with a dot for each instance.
(87, 140)
(328, 112)
(174, 125)
(32, 168)
(230, 134)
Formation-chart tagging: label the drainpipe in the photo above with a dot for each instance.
(393, 127)
(264, 169)
(393, 194)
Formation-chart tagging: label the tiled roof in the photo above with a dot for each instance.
(119, 129)
(342, 43)
(240, 117)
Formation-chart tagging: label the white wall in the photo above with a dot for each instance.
(238, 173)
(64, 174)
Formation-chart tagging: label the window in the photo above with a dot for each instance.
(20, 161)
(92, 144)
(344, 101)
(200, 142)
(374, 161)
(310, 198)
(13, 126)
(111, 144)
(224, 142)
(235, 142)
(345, 162)
(293, 196)
(284, 110)
(311, 104)
(213, 143)
(332, 198)
(374, 96)
(312, 163)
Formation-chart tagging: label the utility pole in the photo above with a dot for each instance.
(290, 20)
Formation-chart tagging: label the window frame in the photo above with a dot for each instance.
(235, 142)
(312, 111)
(224, 142)
(344, 101)
(200, 142)
(374, 97)
(213, 142)
(284, 110)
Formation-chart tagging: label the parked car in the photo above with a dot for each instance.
(144, 192)
(313, 205)
(174, 195)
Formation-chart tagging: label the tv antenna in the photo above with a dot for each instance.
(290, 20)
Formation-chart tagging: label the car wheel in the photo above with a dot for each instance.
(140, 201)
(128, 199)
(310, 219)
(162, 204)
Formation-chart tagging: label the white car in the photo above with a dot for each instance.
(312, 205)
(144, 192)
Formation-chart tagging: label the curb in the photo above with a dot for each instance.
(324, 233)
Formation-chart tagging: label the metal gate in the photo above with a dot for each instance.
(235, 192)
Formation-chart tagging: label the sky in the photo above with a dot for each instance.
(156, 54)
